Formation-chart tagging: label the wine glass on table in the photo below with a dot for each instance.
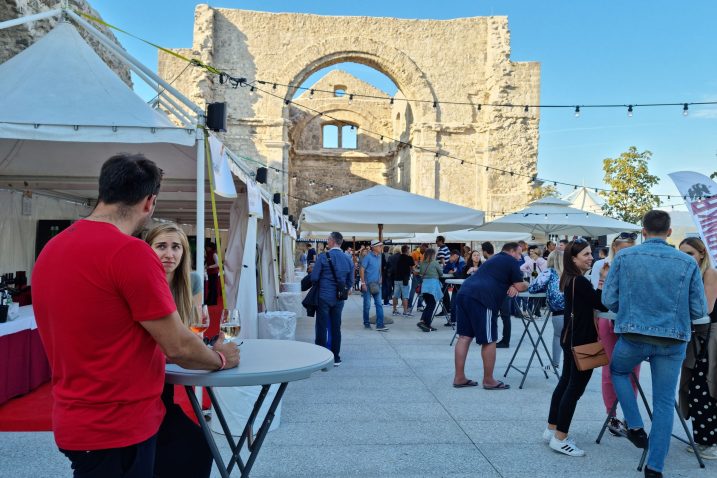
(230, 323)
(200, 323)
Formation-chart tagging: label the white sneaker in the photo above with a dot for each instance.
(548, 434)
(566, 447)
(706, 452)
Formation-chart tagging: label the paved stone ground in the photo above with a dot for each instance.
(390, 410)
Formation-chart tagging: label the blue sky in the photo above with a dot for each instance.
(623, 52)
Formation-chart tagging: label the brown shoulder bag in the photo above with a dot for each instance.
(587, 356)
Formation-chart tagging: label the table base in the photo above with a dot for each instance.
(253, 442)
(527, 319)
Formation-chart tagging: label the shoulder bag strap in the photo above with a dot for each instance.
(572, 315)
(331, 265)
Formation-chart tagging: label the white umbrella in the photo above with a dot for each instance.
(390, 210)
(555, 216)
(468, 235)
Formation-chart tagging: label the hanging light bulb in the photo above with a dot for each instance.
(351, 98)
(391, 102)
(629, 111)
(311, 93)
(478, 107)
(577, 112)
(435, 104)
(525, 108)
(273, 87)
(684, 109)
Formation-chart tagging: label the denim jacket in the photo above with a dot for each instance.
(549, 282)
(322, 274)
(655, 290)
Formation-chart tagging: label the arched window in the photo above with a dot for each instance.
(339, 90)
(341, 136)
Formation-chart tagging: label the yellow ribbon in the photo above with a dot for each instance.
(210, 173)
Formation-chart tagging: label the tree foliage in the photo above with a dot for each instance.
(540, 192)
(630, 180)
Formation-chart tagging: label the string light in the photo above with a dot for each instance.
(577, 111)
(629, 111)
(684, 109)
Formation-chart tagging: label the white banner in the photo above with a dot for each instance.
(254, 198)
(700, 195)
(223, 181)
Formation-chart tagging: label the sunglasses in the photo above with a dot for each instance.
(628, 235)
(580, 240)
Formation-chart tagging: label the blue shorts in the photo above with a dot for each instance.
(401, 291)
(474, 320)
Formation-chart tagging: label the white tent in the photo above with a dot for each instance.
(586, 200)
(390, 211)
(555, 216)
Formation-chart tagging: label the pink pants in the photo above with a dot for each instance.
(608, 340)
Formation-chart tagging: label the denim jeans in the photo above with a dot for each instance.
(558, 321)
(665, 362)
(427, 315)
(367, 307)
(328, 318)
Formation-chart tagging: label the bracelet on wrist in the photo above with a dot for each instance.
(223, 359)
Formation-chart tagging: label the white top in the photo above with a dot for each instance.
(263, 362)
(455, 281)
(26, 321)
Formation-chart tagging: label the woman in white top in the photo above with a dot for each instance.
(534, 262)
(607, 335)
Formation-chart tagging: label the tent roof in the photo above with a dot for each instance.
(585, 199)
(398, 211)
(555, 216)
(64, 112)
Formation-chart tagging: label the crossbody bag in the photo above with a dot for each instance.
(586, 356)
(342, 292)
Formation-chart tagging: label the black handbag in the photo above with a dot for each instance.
(311, 301)
(342, 292)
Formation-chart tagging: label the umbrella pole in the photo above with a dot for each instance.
(380, 232)
(354, 237)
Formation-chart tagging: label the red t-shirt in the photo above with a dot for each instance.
(91, 286)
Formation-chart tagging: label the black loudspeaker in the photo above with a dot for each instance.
(285, 211)
(261, 175)
(217, 116)
(291, 219)
(277, 198)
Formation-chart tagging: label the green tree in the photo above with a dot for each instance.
(630, 182)
(540, 192)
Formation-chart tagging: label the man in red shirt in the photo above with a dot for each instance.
(107, 320)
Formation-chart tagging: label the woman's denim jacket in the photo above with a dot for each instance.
(549, 282)
(655, 290)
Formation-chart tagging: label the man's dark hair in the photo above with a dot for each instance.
(656, 222)
(441, 239)
(488, 247)
(127, 179)
(547, 244)
(456, 252)
(404, 249)
(337, 238)
(510, 246)
(564, 242)
(534, 246)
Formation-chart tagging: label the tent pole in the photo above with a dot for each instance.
(380, 232)
(29, 18)
(200, 196)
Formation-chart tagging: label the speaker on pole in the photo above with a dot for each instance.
(285, 211)
(261, 175)
(277, 198)
(217, 116)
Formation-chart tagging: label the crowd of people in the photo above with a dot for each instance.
(641, 302)
(114, 416)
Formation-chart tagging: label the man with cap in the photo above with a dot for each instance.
(370, 273)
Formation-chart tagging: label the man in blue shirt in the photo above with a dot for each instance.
(476, 308)
(657, 292)
(455, 264)
(370, 273)
(329, 308)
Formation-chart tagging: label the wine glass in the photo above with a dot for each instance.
(200, 323)
(230, 323)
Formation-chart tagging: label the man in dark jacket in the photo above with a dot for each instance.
(329, 308)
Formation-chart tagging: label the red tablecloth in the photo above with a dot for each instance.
(24, 364)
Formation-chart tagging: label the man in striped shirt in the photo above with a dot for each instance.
(442, 256)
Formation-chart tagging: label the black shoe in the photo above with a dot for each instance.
(442, 314)
(422, 325)
(502, 345)
(652, 473)
(638, 437)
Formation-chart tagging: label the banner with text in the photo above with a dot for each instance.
(700, 194)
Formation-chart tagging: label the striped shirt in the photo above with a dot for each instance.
(443, 254)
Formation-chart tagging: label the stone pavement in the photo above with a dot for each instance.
(390, 411)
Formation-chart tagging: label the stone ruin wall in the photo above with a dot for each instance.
(15, 39)
(465, 59)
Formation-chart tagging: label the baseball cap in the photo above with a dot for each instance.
(376, 243)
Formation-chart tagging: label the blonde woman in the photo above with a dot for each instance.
(698, 381)
(171, 245)
(607, 336)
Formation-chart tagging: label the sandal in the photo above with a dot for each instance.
(498, 386)
(469, 383)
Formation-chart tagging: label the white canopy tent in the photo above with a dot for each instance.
(554, 216)
(468, 235)
(390, 211)
(64, 112)
(586, 200)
